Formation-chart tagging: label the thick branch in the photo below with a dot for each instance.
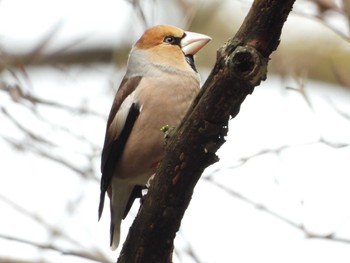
(241, 65)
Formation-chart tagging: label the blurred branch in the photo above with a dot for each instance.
(301, 89)
(325, 6)
(277, 151)
(265, 209)
(14, 260)
(49, 154)
(340, 112)
(18, 95)
(139, 10)
(190, 10)
(53, 231)
(27, 132)
(324, 23)
(88, 173)
(94, 255)
(86, 56)
(64, 55)
(346, 9)
(189, 251)
(343, 79)
(245, 199)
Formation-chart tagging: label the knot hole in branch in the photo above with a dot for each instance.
(248, 64)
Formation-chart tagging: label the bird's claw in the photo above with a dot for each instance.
(168, 131)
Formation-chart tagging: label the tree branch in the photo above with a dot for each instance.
(94, 255)
(241, 65)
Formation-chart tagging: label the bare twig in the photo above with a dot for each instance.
(30, 134)
(243, 160)
(16, 260)
(37, 218)
(301, 89)
(137, 6)
(324, 23)
(269, 211)
(88, 173)
(17, 95)
(95, 255)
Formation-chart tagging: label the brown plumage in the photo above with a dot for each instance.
(159, 86)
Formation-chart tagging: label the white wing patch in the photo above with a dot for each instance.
(119, 120)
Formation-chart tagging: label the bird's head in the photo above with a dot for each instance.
(169, 46)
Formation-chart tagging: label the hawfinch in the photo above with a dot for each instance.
(160, 83)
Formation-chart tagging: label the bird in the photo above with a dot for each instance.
(159, 85)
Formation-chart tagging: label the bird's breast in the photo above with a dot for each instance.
(164, 101)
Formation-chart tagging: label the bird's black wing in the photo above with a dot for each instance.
(114, 143)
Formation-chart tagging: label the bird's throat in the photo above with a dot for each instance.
(190, 61)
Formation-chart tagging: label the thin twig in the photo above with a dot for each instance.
(96, 256)
(265, 209)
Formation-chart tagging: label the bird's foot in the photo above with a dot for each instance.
(145, 189)
(150, 181)
(168, 131)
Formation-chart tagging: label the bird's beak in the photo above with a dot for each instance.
(193, 42)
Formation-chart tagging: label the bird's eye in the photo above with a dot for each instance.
(170, 39)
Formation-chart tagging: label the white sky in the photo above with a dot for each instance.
(219, 227)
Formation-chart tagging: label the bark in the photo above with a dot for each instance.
(241, 65)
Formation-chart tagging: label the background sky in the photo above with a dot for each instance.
(280, 191)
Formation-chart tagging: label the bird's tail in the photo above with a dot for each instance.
(119, 199)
